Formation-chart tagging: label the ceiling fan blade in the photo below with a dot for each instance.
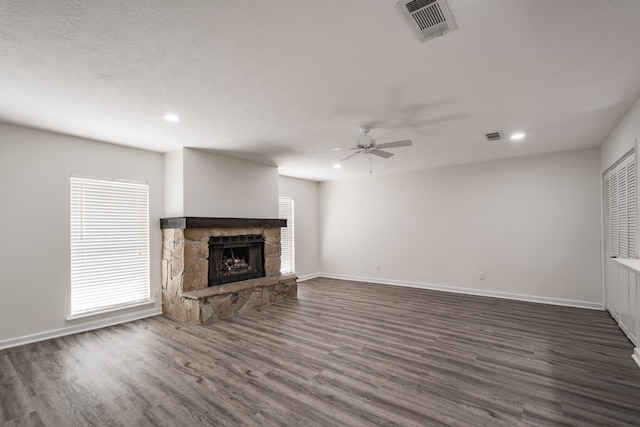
(381, 153)
(403, 143)
(350, 156)
(337, 149)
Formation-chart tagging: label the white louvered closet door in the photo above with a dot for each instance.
(620, 208)
(606, 188)
(630, 169)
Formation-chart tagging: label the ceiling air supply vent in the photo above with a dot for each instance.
(494, 136)
(427, 18)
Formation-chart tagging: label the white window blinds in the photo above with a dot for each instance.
(287, 254)
(109, 244)
(620, 208)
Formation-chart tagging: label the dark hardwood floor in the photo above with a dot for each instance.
(344, 354)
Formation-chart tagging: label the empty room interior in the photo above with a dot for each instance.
(415, 212)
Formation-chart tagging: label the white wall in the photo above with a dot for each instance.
(305, 200)
(622, 137)
(34, 254)
(174, 184)
(222, 186)
(531, 224)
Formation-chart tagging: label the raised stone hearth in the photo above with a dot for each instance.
(186, 294)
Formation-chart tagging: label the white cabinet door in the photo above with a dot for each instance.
(612, 286)
(623, 298)
(633, 309)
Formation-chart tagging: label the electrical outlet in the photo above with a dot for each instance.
(156, 293)
(482, 276)
(377, 267)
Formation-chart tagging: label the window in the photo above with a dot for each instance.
(287, 255)
(619, 194)
(109, 244)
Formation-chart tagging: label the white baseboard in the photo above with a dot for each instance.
(308, 277)
(636, 355)
(77, 327)
(471, 291)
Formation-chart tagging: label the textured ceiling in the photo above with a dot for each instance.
(278, 81)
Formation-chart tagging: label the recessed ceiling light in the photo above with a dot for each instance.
(516, 136)
(337, 166)
(171, 118)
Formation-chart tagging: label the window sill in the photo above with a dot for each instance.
(113, 310)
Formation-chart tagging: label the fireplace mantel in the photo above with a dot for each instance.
(208, 222)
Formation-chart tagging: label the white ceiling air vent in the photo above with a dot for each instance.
(427, 18)
(494, 136)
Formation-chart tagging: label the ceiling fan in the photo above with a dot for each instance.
(367, 145)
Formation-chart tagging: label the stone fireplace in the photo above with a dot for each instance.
(213, 268)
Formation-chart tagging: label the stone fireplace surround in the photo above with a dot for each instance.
(185, 267)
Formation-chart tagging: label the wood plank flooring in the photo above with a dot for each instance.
(344, 354)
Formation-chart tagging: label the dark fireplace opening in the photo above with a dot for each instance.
(235, 258)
